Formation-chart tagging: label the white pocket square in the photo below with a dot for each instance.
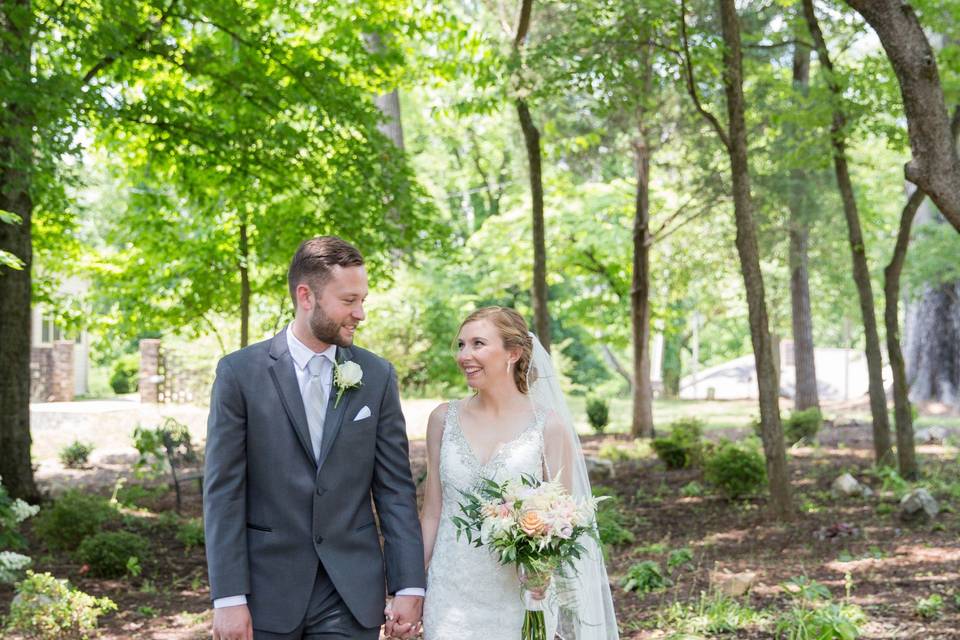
(363, 413)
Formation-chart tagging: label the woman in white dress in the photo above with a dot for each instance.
(515, 423)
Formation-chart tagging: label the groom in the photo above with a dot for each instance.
(296, 447)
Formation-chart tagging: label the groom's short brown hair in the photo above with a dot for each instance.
(315, 257)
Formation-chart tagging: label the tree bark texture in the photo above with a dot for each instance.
(883, 454)
(642, 423)
(806, 394)
(771, 429)
(934, 167)
(932, 348)
(16, 154)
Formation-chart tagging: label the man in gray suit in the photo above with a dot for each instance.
(296, 448)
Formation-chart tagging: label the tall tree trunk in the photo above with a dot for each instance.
(771, 430)
(531, 138)
(16, 160)
(387, 103)
(642, 424)
(244, 267)
(883, 453)
(935, 167)
(806, 395)
(933, 346)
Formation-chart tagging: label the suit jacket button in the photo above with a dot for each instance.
(319, 539)
(321, 491)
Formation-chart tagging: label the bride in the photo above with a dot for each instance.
(515, 423)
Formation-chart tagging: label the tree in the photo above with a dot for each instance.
(883, 453)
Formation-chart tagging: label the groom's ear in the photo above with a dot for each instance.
(305, 296)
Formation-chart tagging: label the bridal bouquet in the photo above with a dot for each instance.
(532, 524)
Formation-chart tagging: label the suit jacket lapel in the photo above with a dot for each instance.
(334, 416)
(284, 375)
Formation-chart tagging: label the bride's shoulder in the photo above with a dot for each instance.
(437, 419)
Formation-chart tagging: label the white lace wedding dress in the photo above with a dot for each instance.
(470, 595)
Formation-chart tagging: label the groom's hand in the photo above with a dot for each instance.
(403, 617)
(232, 623)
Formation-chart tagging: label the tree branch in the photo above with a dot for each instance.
(109, 59)
(691, 86)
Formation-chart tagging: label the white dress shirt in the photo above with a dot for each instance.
(301, 355)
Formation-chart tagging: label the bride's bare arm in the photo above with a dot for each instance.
(558, 451)
(432, 498)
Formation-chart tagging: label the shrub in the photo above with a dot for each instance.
(126, 374)
(692, 489)
(598, 413)
(76, 455)
(11, 565)
(49, 609)
(190, 533)
(153, 444)
(736, 471)
(610, 521)
(712, 614)
(73, 517)
(826, 622)
(683, 447)
(679, 558)
(644, 577)
(929, 608)
(802, 425)
(109, 553)
(12, 513)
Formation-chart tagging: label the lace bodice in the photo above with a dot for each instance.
(470, 595)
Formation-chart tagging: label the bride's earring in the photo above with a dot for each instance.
(509, 364)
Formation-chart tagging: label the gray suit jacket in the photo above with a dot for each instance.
(272, 513)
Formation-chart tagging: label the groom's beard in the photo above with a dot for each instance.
(326, 330)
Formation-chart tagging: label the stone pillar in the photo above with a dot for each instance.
(150, 370)
(41, 362)
(61, 372)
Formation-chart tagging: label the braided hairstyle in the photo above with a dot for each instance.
(515, 335)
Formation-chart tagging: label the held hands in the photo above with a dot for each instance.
(403, 617)
(232, 623)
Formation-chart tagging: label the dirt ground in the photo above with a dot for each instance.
(854, 542)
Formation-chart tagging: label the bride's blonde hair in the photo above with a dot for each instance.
(515, 335)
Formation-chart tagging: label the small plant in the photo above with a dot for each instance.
(12, 564)
(644, 577)
(126, 373)
(76, 455)
(736, 471)
(154, 445)
(49, 609)
(147, 612)
(137, 495)
(683, 447)
(679, 558)
(825, 622)
(610, 521)
(190, 533)
(891, 481)
(802, 425)
(598, 413)
(615, 453)
(109, 554)
(692, 489)
(12, 513)
(73, 517)
(712, 614)
(805, 590)
(929, 608)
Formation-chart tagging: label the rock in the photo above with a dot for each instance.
(733, 584)
(867, 492)
(931, 435)
(918, 505)
(846, 485)
(600, 467)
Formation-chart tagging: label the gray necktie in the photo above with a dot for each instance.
(315, 400)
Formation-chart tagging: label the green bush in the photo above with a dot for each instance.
(109, 553)
(644, 577)
(679, 558)
(49, 609)
(12, 513)
(929, 608)
(153, 445)
(802, 425)
(73, 517)
(598, 413)
(190, 533)
(610, 520)
(76, 455)
(683, 447)
(126, 374)
(823, 622)
(736, 471)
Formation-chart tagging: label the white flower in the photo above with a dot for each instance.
(11, 564)
(346, 375)
(22, 510)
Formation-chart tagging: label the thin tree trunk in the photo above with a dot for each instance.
(642, 424)
(387, 103)
(883, 453)
(771, 430)
(531, 138)
(16, 152)
(806, 395)
(244, 266)
(935, 167)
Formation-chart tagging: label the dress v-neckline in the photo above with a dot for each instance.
(500, 448)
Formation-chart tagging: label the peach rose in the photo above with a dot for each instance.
(532, 524)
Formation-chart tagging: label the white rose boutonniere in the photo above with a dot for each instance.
(346, 375)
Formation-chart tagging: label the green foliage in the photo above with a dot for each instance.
(76, 454)
(644, 577)
(610, 520)
(683, 447)
(49, 609)
(713, 614)
(12, 513)
(891, 481)
(736, 470)
(930, 608)
(692, 489)
(598, 413)
(125, 377)
(154, 445)
(679, 558)
(614, 452)
(109, 553)
(802, 425)
(830, 621)
(138, 495)
(190, 533)
(804, 589)
(74, 516)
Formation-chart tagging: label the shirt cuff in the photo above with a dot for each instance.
(412, 591)
(229, 601)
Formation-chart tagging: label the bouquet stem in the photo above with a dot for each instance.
(534, 626)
